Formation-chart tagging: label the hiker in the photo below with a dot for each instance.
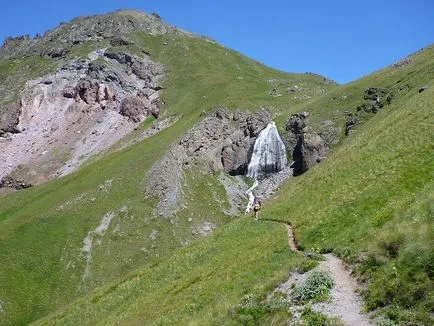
(256, 208)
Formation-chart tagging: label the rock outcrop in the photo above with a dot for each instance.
(14, 183)
(79, 110)
(9, 120)
(222, 141)
(115, 27)
(375, 99)
(305, 145)
(236, 155)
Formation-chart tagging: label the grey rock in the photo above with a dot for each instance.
(310, 150)
(402, 63)
(9, 120)
(134, 108)
(378, 97)
(350, 125)
(238, 115)
(69, 92)
(119, 41)
(326, 123)
(215, 142)
(88, 91)
(256, 123)
(222, 113)
(422, 89)
(305, 145)
(57, 52)
(17, 184)
(235, 157)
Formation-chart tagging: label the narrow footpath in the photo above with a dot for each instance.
(345, 303)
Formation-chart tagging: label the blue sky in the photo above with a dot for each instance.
(342, 40)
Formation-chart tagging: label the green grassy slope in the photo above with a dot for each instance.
(199, 285)
(335, 104)
(370, 202)
(43, 229)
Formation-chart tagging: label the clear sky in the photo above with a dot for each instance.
(342, 40)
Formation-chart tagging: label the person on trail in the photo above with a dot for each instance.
(256, 208)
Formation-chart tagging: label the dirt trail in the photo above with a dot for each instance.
(345, 303)
(291, 239)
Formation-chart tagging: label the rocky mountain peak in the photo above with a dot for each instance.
(116, 27)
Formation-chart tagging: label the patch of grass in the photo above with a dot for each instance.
(316, 288)
(312, 318)
(271, 311)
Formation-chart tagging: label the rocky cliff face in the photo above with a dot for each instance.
(236, 153)
(49, 125)
(78, 111)
(222, 141)
(305, 145)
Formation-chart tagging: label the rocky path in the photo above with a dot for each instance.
(345, 303)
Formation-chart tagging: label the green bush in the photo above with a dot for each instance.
(316, 287)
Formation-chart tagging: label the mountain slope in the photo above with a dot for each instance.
(59, 240)
(62, 239)
(370, 202)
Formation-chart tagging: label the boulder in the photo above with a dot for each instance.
(119, 41)
(349, 125)
(57, 52)
(222, 113)
(88, 91)
(156, 106)
(422, 89)
(14, 183)
(305, 145)
(378, 97)
(134, 108)
(69, 92)
(10, 119)
(121, 57)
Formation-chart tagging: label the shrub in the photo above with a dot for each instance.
(316, 287)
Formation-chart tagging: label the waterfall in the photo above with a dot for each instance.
(269, 153)
(269, 156)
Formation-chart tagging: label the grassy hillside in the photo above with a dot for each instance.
(199, 285)
(44, 231)
(370, 203)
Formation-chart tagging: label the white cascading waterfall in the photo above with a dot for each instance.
(269, 156)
